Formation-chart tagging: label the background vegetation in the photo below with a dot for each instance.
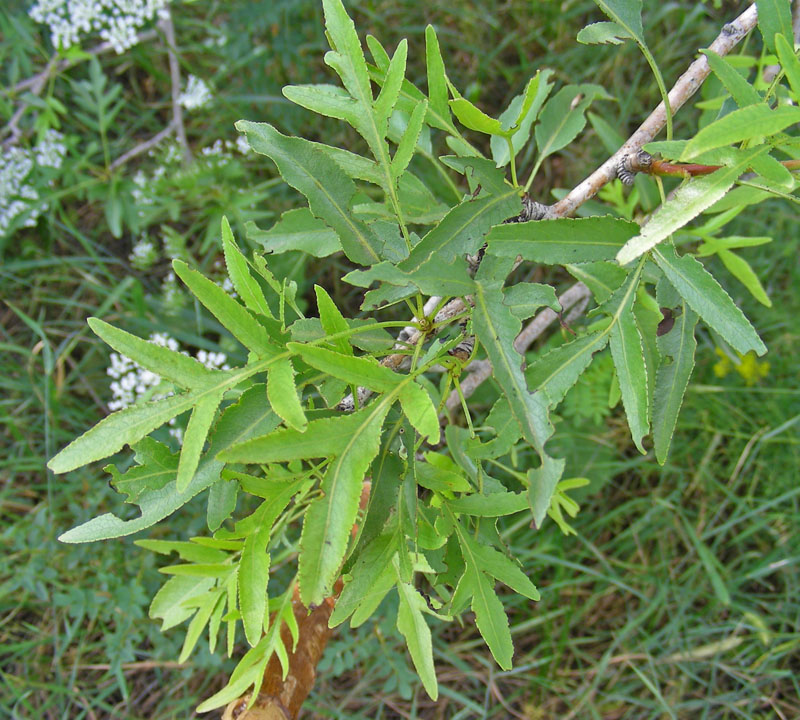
(677, 597)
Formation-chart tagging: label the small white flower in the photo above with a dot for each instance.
(196, 94)
(242, 145)
(213, 360)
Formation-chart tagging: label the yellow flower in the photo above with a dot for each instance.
(749, 367)
(723, 366)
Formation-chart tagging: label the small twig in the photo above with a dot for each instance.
(36, 88)
(643, 162)
(100, 49)
(796, 20)
(139, 666)
(144, 146)
(686, 86)
(175, 79)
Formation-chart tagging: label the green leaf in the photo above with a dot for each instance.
(125, 427)
(328, 189)
(168, 603)
(677, 349)
(562, 241)
(328, 100)
(626, 349)
(741, 91)
(520, 115)
(560, 122)
(506, 429)
(687, 203)
(249, 417)
(169, 364)
(277, 492)
(408, 143)
(217, 570)
(374, 340)
(370, 602)
(392, 83)
(789, 63)
(332, 320)
(490, 617)
(379, 54)
(648, 316)
(774, 16)
(419, 204)
(437, 81)
(189, 551)
(474, 118)
(233, 317)
(751, 122)
(370, 564)
(601, 33)
(497, 328)
(252, 577)
(364, 371)
(741, 270)
(440, 474)
(602, 278)
(525, 299)
(463, 229)
(542, 485)
(502, 568)
(707, 298)
(420, 411)
(773, 171)
(491, 505)
(555, 372)
(282, 394)
(412, 625)
(221, 503)
(330, 518)
(194, 439)
(296, 230)
(199, 621)
(155, 467)
(244, 283)
(481, 174)
(347, 57)
(627, 14)
(322, 438)
(430, 278)
(355, 166)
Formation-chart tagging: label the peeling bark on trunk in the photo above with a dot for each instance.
(282, 699)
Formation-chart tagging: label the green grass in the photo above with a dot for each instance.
(678, 596)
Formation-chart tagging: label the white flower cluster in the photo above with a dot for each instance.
(132, 383)
(131, 380)
(50, 151)
(143, 254)
(115, 21)
(196, 94)
(17, 192)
